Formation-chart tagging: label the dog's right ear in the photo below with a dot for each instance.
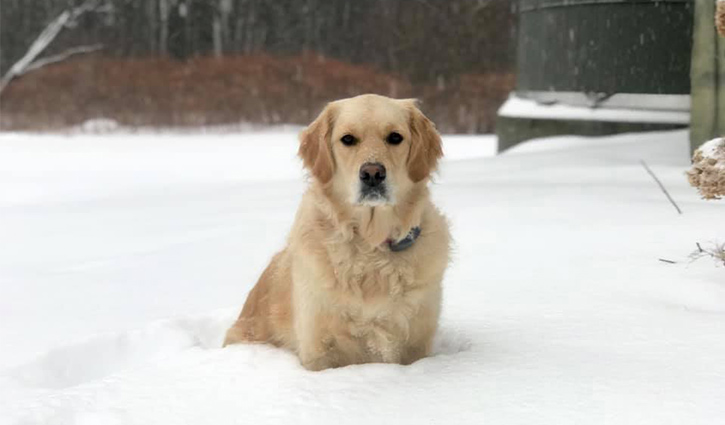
(315, 147)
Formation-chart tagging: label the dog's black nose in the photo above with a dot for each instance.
(372, 174)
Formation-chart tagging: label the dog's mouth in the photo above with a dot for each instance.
(373, 196)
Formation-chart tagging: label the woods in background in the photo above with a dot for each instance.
(288, 56)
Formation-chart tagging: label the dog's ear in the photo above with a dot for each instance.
(315, 148)
(426, 148)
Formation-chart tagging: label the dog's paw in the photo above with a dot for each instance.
(318, 364)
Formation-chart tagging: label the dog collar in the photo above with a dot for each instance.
(406, 242)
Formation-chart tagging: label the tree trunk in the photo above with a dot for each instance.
(164, 36)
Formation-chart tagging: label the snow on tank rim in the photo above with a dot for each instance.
(517, 107)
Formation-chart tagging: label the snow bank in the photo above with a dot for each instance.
(124, 258)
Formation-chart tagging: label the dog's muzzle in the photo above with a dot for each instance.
(372, 183)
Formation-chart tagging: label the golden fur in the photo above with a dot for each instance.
(337, 295)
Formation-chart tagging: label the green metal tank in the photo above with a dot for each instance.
(625, 64)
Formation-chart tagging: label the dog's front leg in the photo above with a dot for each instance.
(423, 325)
(316, 345)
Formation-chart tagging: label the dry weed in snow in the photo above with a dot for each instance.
(717, 252)
(708, 169)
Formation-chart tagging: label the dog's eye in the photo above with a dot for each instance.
(348, 140)
(394, 138)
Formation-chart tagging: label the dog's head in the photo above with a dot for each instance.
(371, 149)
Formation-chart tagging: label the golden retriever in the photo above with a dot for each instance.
(360, 278)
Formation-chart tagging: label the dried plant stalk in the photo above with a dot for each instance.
(708, 169)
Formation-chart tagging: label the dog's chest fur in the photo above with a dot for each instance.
(370, 274)
(374, 295)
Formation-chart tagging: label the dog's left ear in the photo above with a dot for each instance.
(315, 149)
(426, 148)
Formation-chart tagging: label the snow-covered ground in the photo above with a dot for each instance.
(123, 258)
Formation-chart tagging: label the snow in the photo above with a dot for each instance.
(639, 101)
(712, 148)
(125, 257)
(517, 107)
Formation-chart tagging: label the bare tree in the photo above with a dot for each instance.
(220, 26)
(164, 36)
(153, 20)
(28, 62)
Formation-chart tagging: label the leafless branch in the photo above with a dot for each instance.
(66, 18)
(664, 190)
(63, 56)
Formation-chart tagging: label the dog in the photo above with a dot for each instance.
(360, 278)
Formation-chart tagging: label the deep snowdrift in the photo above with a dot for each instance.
(124, 259)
